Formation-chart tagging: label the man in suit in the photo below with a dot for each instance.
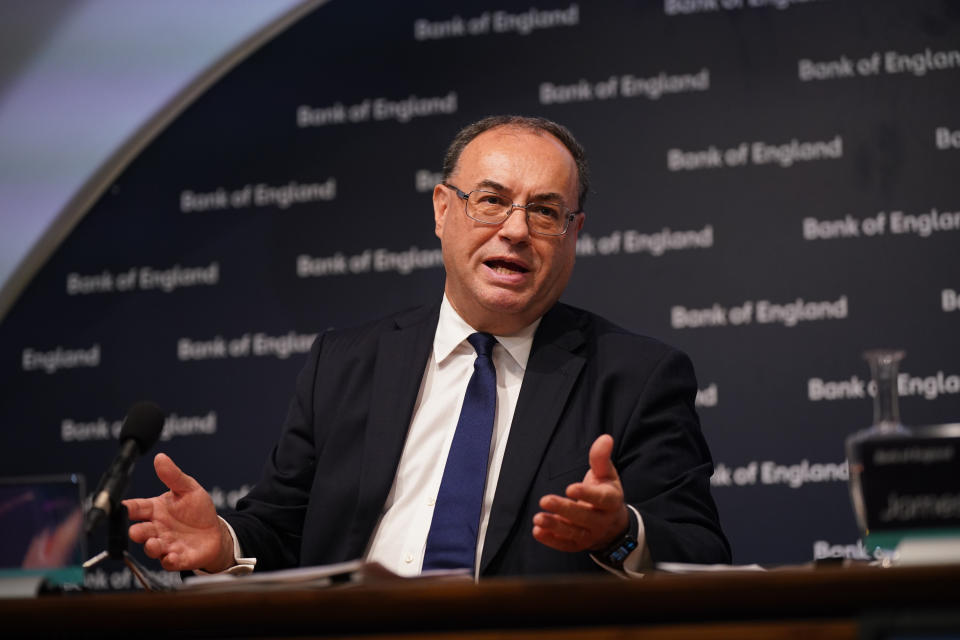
(595, 458)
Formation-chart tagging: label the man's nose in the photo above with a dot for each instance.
(515, 227)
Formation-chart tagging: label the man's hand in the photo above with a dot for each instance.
(180, 527)
(593, 514)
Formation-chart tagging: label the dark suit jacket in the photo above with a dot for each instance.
(325, 483)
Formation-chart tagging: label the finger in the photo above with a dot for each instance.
(605, 497)
(142, 532)
(154, 548)
(560, 526)
(561, 531)
(553, 503)
(546, 537)
(139, 508)
(173, 562)
(171, 475)
(600, 458)
(580, 514)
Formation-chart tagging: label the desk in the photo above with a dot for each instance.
(830, 603)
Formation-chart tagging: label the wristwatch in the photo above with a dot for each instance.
(614, 555)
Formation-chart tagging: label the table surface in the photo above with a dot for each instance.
(826, 598)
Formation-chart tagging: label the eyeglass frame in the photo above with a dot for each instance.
(465, 196)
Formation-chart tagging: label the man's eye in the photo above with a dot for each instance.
(491, 200)
(546, 211)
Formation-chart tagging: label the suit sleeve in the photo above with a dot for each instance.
(665, 467)
(269, 520)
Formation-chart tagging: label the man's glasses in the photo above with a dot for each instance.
(543, 217)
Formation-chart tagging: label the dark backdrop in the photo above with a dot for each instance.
(775, 191)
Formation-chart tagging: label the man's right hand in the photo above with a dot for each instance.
(180, 527)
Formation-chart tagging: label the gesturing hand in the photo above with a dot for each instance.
(593, 514)
(180, 527)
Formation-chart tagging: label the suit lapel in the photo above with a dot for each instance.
(401, 357)
(551, 371)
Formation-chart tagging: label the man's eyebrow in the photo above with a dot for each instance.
(549, 196)
(493, 185)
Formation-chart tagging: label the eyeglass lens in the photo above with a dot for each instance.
(543, 217)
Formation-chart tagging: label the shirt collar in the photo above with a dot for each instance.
(452, 331)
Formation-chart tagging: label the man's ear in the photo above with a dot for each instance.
(441, 204)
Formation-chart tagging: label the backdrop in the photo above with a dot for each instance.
(775, 191)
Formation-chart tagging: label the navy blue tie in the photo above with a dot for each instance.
(452, 541)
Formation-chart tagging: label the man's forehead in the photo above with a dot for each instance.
(489, 138)
(501, 140)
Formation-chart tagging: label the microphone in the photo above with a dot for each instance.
(140, 431)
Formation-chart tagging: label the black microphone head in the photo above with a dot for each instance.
(143, 423)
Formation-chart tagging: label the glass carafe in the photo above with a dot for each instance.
(884, 369)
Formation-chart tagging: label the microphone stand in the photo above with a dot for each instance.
(117, 541)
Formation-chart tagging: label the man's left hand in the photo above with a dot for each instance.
(593, 514)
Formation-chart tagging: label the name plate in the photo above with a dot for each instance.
(912, 482)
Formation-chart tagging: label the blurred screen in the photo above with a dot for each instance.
(41, 526)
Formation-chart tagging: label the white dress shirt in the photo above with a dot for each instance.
(400, 537)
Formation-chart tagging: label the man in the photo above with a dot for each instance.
(596, 459)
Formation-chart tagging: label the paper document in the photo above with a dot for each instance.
(353, 572)
(683, 567)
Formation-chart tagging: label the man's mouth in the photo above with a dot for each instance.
(505, 266)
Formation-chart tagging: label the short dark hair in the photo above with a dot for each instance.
(529, 123)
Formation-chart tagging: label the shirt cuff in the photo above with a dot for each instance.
(638, 560)
(241, 566)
